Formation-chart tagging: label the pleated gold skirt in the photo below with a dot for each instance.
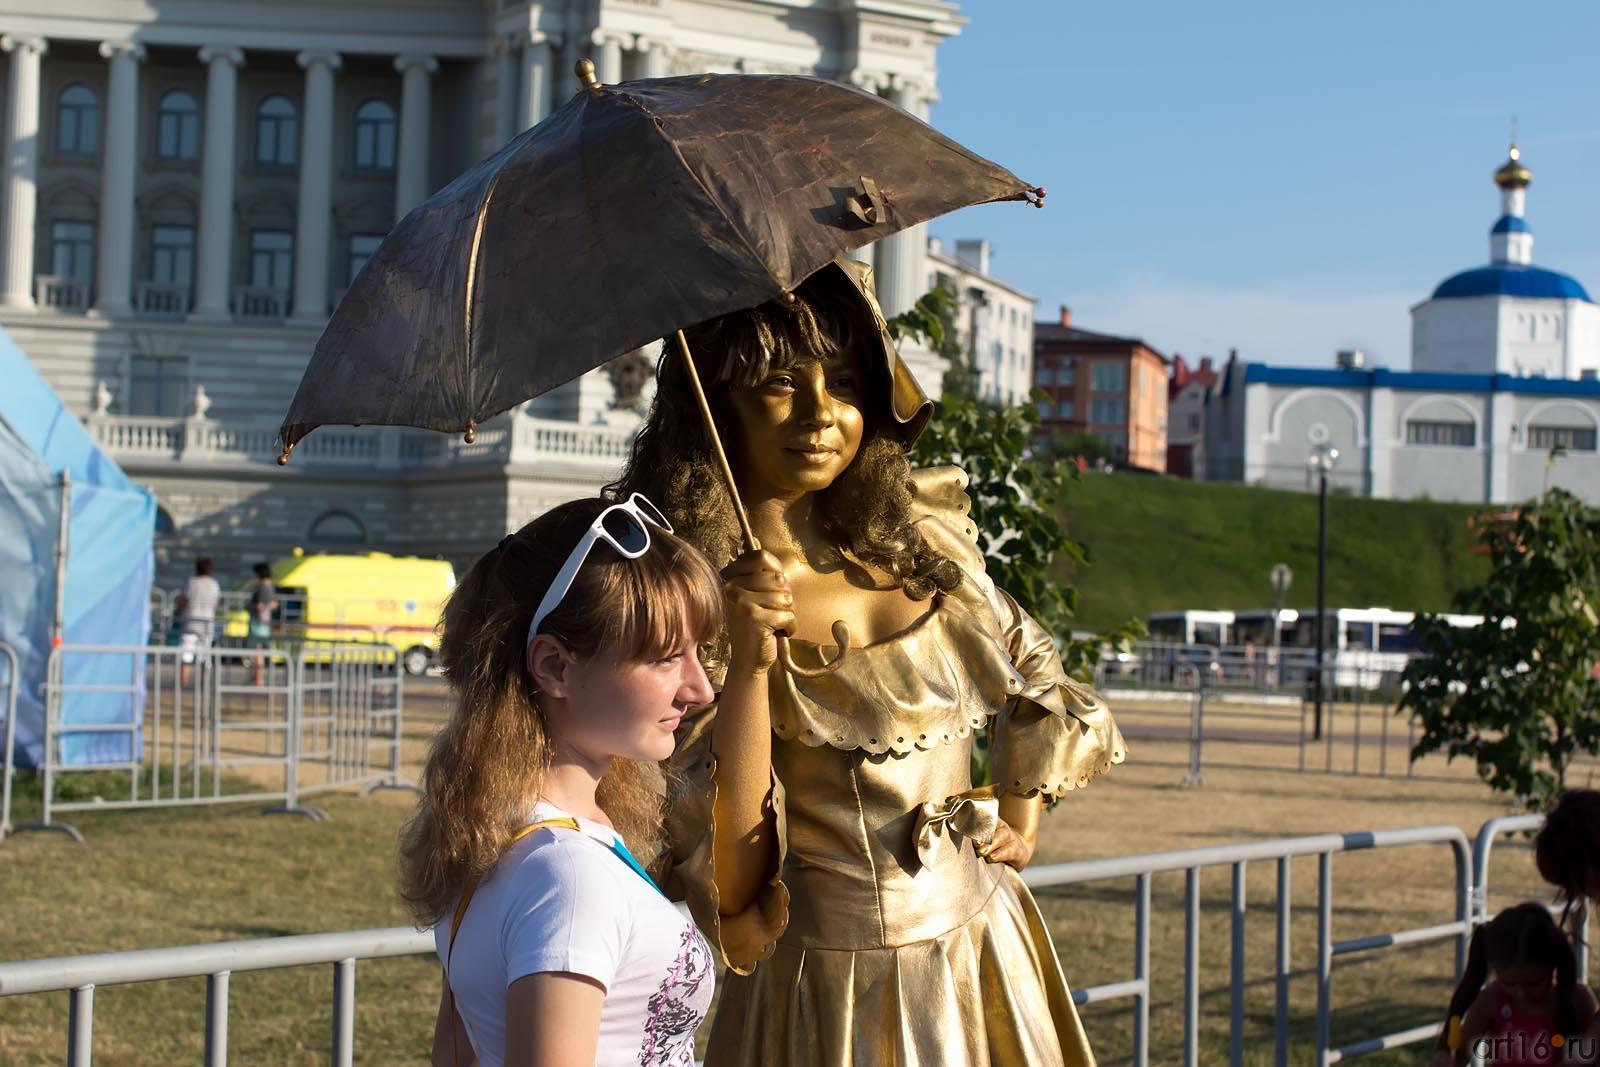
(989, 993)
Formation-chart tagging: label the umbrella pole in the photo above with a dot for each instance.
(751, 544)
(841, 632)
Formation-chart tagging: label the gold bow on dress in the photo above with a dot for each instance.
(974, 815)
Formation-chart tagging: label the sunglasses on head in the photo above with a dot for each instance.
(625, 527)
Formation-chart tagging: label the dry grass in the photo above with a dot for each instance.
(167, 878)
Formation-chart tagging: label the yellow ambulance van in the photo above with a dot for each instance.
(370, 597)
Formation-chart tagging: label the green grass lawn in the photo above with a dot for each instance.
(1158, 544)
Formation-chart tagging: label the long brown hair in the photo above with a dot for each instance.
(1524, 934)
(489, 760)
(868, 508)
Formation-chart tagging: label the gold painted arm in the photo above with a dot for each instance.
(1022, 815)
(744, 827)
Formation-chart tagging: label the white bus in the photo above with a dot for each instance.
(1213, 628)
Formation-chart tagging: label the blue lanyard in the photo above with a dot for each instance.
(627, 857)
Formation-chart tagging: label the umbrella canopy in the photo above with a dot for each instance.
(632, 211)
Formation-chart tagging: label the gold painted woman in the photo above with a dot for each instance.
(823, 823)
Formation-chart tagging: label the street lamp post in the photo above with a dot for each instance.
(1323, 457)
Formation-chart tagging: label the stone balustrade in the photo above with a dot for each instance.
(520, 440)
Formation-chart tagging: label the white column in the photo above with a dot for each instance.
(902, 257)
(608, 66)
(21, 169)
(655, 57)
(536, 95)
(217, 163)
(411, 183)
(316, 189)
(118, 176)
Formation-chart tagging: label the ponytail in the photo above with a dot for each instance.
(1470, 984)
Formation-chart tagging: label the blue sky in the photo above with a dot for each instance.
(1284, 179)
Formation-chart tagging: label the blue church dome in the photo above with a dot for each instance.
(1511, 279)
(1511, 224)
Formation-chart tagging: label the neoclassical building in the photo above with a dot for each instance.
(189, 187)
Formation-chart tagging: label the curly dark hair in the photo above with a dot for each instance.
(866, 511)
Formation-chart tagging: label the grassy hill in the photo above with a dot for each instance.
(1164, 543)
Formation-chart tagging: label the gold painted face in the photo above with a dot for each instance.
(799, 427)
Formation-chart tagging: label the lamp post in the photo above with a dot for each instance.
(1323, 457)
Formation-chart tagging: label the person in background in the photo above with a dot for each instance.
(1529, 1004)
(263, 602)
(196, 609)
(1567, 854)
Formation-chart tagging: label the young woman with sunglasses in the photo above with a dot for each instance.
(572, 652)
(825, 827)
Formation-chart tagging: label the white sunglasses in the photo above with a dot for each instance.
(623, 527)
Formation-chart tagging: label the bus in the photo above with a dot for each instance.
(1213, 628)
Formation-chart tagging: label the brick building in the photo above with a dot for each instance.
(1112, 387)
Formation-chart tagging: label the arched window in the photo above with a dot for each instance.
(177, 126)
(375, 136)
(337, 528)
(277, 132)
(77, 120)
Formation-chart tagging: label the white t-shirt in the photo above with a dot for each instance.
(201, 594)
(563, 900)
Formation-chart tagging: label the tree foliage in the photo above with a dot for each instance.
(1519, 694)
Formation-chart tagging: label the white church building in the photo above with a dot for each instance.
(189, 187)
(1502, 398)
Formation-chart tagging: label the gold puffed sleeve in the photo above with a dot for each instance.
(750, 936)
(1056, 733)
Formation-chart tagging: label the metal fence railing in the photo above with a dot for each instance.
(8, 702)
(169, 727)
(79, 976)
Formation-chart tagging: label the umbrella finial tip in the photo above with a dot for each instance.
(585, 72)
(1036, 197)
(472, 433)
(283, 457)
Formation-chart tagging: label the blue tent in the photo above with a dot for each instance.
(109, 569)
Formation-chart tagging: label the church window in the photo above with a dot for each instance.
(1441, 434)
(1571, 438)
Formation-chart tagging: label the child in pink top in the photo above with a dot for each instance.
(1529, 1011)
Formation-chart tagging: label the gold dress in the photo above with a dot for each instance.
(882, 938)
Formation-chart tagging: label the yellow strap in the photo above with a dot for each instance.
(565, 823)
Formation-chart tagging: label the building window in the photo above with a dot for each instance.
(375, 136)
(177, 126)
(1571, 438)
(1443, 434)
(1064, 374)
(337, 528)
(1108, 411)
(172, 255)
(1044, 375)
(271, 254)
(1044, 408)
(362, 245)
(1064, 410)
(157, 384)
(1108, 377)
(1194, 423)
(72, 250)
(277, 132)
(77, 120)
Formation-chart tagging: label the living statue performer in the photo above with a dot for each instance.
(823, 822)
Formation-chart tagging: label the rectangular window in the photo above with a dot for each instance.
(1044, 408)
(1108, 377)
(156, 385)
(1441, 434)
(1064, 409)
(1108, 411)
(1572, 438)
(1044, 375)
(172, 255)
(1194, 423)
(362, 245)
(72, 250)
(1064, 374)
(271, 256)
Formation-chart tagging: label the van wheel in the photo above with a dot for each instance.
(416, 660)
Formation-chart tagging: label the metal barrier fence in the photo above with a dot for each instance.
(1191, 862)
(8, 754)
(221, 726)
(80, 975)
